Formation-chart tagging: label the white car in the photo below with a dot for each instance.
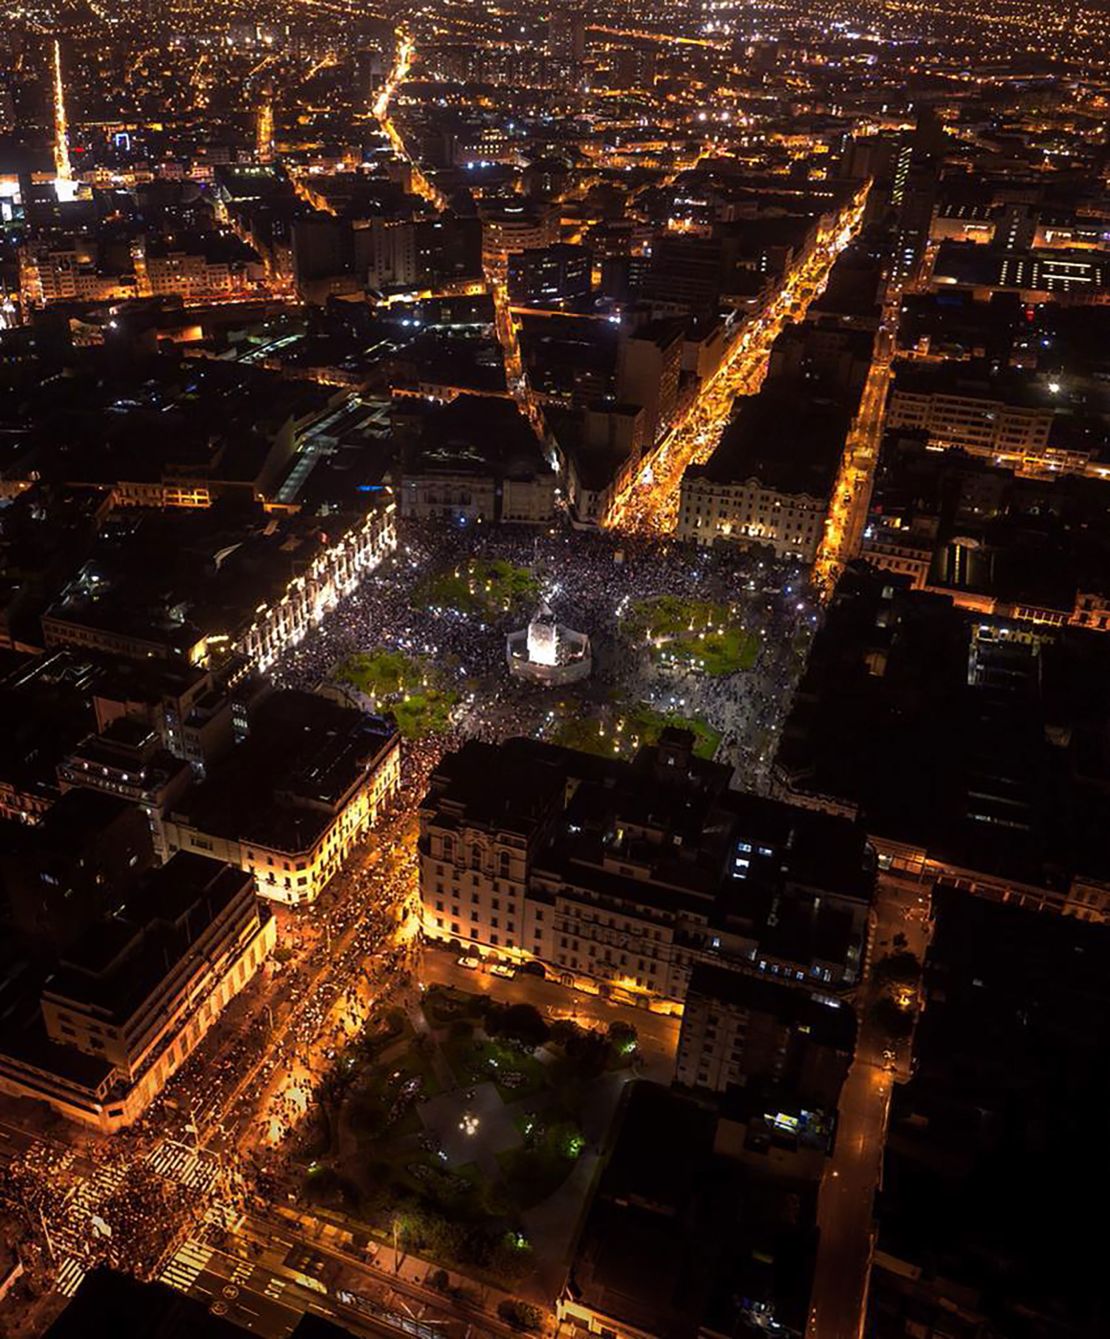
(470, 963)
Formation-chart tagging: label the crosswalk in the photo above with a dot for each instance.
(185, 1264)
(186, 1166)
(69, 1277)
(274, 1288)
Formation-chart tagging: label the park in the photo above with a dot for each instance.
(413, 690)
(693, 634)
(485, 587)
(466, 1131)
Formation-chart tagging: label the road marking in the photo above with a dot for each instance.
(69, 1277)
(187, 1262)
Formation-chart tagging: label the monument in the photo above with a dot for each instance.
(548, 652)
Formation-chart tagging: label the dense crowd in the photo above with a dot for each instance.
(252, 1080)
(590, 579)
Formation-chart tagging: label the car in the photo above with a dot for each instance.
(502, 969)
(470, 963)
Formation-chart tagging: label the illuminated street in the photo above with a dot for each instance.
(651, 504)
(554, 625)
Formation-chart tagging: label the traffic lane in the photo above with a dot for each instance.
(655, 1032)
(846, 1203)
(382, 1274)
(845, 1206)
(250, 1296)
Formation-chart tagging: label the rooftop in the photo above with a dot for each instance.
(787, 442)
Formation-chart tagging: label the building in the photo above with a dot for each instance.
(649, 365)
(199, 265)
(88, 849)
(1068, 275)
(602, 452)
(354, 547)
(74, 270)
(625, 875)
(266, 584)
(824, 352)
(112, 1303)
(128, 759)
(683, 1239)
(196, 713)
(969, 746)
(566, 41)
(129, 1001)
(475, 459)
(771, 479)
(1007, 1065)
(740, 1030)
(400, 254)
(998, 541)
(290, 803)
(550, 276)
(1007, 417)
(513, 227)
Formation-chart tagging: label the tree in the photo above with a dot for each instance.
(897, 1023)
(900, 968)
(564, 1032)
(330, 1094)
(517, 1022)
(590, 1053)
(520, 1315)
(622, 1036)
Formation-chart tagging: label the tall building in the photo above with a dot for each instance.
(550, 276)
(740, 1030)
(566, 39)
(649, 365)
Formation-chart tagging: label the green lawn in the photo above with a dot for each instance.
(700, 634)
(715, 653)
(487, 588)
(540, 1166)
(476, 1062)
(377, 1168)
(619, 734)
(407, 686)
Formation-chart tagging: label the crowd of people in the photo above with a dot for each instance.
(249, 1085)
(590, 579)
